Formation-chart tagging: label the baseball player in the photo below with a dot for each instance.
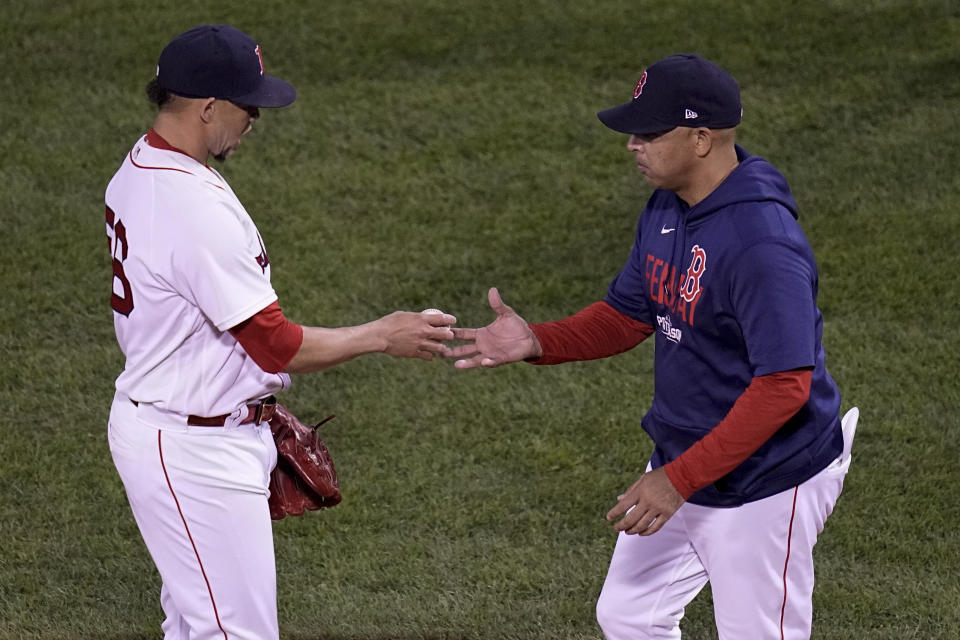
(206, 343)
(749, 454)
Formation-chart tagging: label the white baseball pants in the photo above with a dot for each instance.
(757, 557)
(199, 496)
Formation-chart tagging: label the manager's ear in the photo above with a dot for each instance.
(706, 138)
(716, 140)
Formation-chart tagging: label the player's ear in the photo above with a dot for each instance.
(208, 107)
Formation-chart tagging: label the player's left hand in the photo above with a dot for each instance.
(653, 499)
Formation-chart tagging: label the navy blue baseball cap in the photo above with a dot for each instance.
(682, 90)
(220, 61)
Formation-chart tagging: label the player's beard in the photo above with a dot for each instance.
(226, 152)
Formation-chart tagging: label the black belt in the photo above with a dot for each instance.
(258, 412)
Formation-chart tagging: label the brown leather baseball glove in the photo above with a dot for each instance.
(304, 478)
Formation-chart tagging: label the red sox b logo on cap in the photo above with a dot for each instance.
(260, 58)
(639, 88)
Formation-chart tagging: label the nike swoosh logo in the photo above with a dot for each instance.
(665, 231)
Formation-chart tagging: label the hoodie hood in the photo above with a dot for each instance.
(754, 180)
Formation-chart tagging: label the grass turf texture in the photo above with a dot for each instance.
(436, 149)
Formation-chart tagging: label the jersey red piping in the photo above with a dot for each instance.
(203, 571)
(157, 141)
(143, 166)
(786, 562)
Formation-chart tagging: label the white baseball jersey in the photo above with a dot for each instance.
(188, 264)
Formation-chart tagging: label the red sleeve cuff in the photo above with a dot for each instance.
(599, 331)
(269, 338)
(758, 413)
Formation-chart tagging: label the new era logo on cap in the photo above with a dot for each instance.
(690, 114)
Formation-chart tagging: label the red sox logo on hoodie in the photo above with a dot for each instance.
(682, 300)
(690, 288)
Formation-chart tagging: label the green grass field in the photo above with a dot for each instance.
(436, 149)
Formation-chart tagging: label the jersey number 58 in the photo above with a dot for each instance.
(117, 245)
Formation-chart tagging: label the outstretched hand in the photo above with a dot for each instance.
(507, 339)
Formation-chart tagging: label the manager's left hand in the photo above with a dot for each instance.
(654, 500)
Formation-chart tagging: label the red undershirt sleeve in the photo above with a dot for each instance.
(764, 406)
(599, 331)
(269, 338)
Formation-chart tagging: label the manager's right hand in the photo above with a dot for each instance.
(507, 339)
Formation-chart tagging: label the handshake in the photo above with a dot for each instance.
(507, 339)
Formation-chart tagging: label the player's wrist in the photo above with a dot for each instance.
(372, 337)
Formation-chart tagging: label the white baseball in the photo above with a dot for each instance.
(433, 311)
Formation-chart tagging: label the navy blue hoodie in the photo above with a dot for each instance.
(730, 284)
